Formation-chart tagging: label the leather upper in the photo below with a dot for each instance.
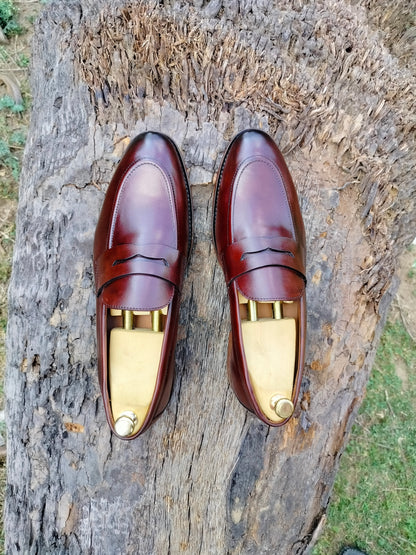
(141, 245)
(144, 202)
(258, 223)
(260, 241)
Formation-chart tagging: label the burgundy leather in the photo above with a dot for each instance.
(141, 245)
(260, 241)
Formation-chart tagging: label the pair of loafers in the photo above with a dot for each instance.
(141, 246)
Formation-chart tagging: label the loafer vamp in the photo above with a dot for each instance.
(256, 206)
(260, 208)
(143, 214)
(142, 238)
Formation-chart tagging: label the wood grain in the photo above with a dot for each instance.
(207, 477)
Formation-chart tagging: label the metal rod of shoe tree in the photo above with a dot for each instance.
(277, 310)
(252, 311)
(156, 320)
(127, 319)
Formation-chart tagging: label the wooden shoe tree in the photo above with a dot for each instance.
(269, 339)
(134, 354)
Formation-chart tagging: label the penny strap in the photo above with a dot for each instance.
(121, 261)
(253, 253)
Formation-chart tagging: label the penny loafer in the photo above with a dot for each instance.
(260, 242)
(141, 245)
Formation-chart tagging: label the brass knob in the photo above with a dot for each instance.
(283, 407)
(125, 423)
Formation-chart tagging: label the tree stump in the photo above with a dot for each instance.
(334, 84)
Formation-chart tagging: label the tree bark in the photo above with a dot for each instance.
(334, 84)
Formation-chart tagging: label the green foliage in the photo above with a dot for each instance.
(23, 60)
(18, 138)
(412, 272)
(5, 270)
(10, 161)
(10, 142)
(6, 102)
(8, 21)
(375, 489)
(7, 159)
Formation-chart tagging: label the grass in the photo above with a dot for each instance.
(14, 102)
(412, 272)
(375, 490)
(9, 18)
(12, 140)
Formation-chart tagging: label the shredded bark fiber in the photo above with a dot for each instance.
(328, 75)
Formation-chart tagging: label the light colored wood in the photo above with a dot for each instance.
(133, 367)
(270, 350)
(207, 477)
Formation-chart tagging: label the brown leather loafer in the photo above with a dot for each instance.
(260, 242)
(141, 245)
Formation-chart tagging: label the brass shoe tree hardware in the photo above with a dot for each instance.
(283, 407)
(252, 311)
(156, 320)
(277, 310)
(127, 319)
(125, 423)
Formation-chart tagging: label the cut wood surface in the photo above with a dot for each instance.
(334, 83)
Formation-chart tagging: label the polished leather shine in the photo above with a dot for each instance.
(260, 242)
(141, 245)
